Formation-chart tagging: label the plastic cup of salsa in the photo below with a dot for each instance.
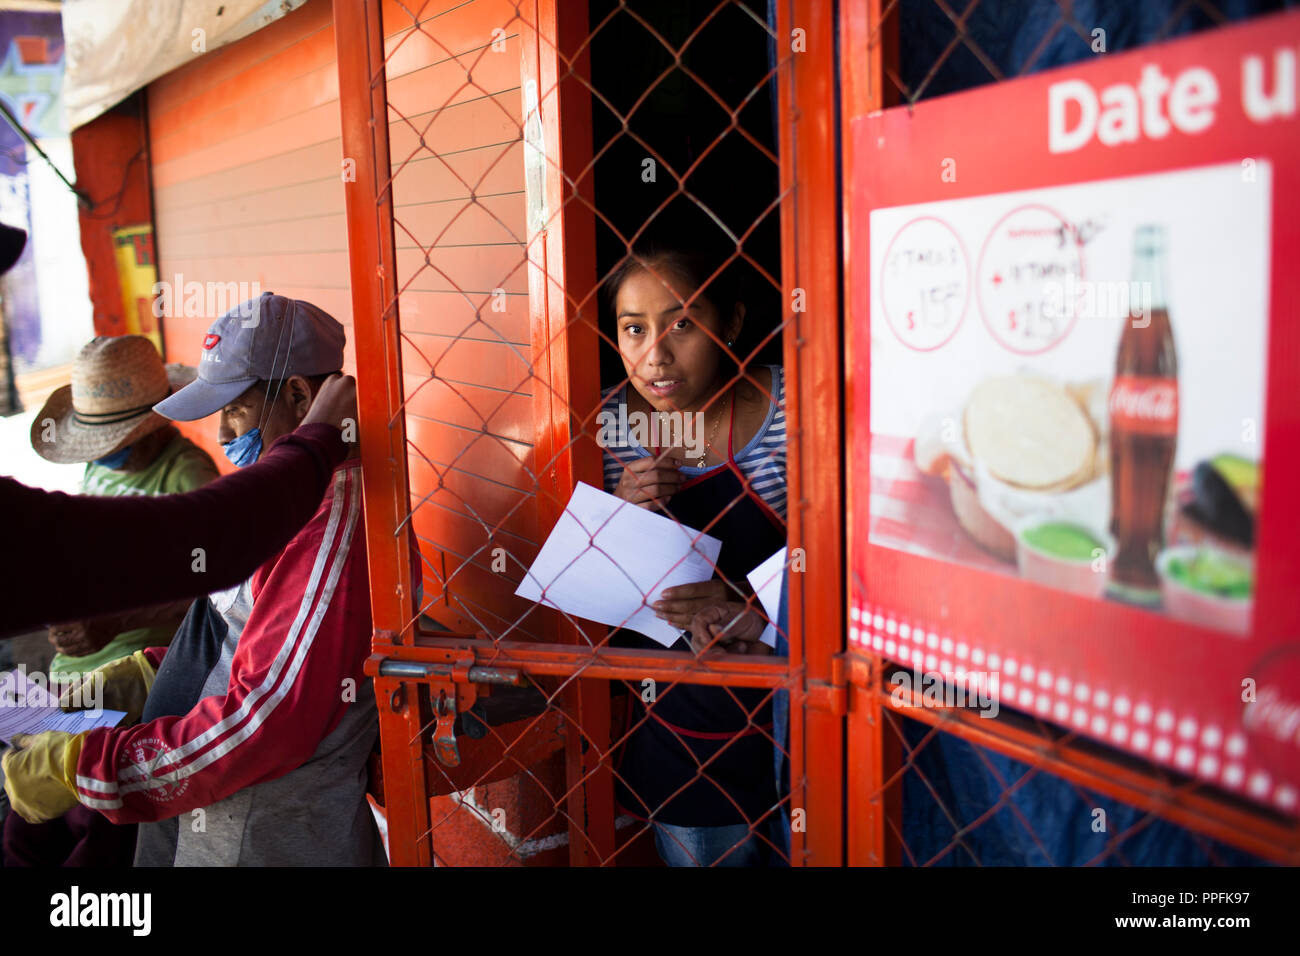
(1063, 554)
(1207, 586)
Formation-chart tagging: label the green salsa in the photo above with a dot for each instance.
(1212, 573)
(1061, 540)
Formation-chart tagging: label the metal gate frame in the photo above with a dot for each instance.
(846, 759)
(562, 273)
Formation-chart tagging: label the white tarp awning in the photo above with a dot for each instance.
(114, 47)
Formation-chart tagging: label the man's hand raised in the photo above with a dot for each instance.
(335, 404)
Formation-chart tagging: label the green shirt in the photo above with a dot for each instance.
(181, 466)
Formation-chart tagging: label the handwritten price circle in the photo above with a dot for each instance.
(1029, 259)
(925, 284)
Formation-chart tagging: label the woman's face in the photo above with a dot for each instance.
(670, 352)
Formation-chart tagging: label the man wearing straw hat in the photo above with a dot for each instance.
(256, 757)
(105, 418)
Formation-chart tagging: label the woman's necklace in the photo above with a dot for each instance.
(709, 441)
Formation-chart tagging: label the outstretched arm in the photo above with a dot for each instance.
(67, 557)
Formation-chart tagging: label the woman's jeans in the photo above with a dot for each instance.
(717, 846)
(711, 846)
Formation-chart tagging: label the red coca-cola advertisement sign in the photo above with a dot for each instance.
(1075, 433)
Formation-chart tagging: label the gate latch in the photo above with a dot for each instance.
(450, 696)
(444, 731)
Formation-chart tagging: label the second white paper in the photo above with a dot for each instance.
(766, 580)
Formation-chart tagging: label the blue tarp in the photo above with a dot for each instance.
(1054, 824)
(1009, 32)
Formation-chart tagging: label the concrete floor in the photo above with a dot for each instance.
(17, 460)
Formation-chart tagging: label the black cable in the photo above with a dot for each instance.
(82, 199)
(21, 130)
(121, 191)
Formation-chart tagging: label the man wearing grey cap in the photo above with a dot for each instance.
(260, 721)
(270, 340)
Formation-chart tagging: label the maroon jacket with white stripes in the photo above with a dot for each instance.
(308, 632)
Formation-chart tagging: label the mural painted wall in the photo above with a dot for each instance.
(46, 306)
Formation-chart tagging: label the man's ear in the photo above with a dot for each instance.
(299, 394)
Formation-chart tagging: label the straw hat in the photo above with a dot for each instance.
(116, 380)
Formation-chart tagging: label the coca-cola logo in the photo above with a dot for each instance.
(1271, 713)
(1144, 402)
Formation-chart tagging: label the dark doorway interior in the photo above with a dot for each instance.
(645, 106)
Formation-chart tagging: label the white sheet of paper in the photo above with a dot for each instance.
(766, 582)
(28, 708)
(607, 560)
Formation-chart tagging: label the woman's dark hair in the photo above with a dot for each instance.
(704, 272)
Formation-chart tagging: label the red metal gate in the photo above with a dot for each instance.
(488, 783)
(474, 228)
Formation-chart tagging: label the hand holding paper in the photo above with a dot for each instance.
(26, 707)
(607, 560)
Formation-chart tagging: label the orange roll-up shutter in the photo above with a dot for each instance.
(249, 179)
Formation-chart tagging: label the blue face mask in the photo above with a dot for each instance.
(245, 449)
(117, 459)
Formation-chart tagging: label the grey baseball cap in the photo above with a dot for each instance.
(264, 339)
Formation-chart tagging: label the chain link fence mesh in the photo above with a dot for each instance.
(680, 191)
(680, 194)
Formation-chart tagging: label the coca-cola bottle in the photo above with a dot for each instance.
(1143, 429)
